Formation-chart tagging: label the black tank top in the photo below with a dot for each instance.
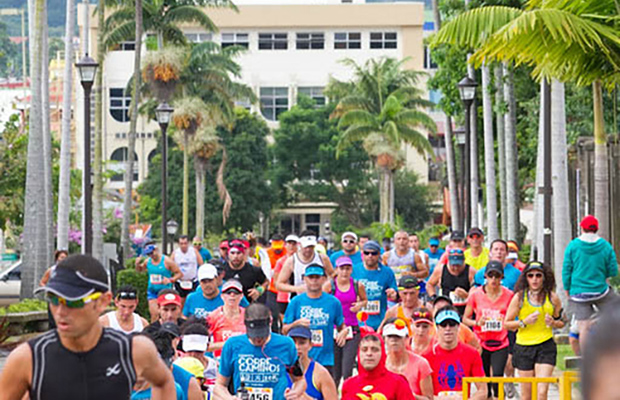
(104, 373)
(450, 282)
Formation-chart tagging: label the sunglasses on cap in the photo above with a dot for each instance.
(449, 322)
(421, 314)
(127, 296)
(56, 300)
(371, 253)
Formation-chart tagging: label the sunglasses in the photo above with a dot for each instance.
(127, 296)
(450, 322)
(537, 275)
(475, 236)
(349, 241)
(494, 276)
(371, 253)
(234, 292)
(56, 300)
(421, 314)
(197, 243)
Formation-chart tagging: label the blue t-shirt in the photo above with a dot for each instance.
(433, 259)
(355, 258)
(511, 274)
(146, 394)
(259, 368)
(375, 282)
(324, 313)
(205, 254)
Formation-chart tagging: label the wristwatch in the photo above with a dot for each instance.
(521, 324)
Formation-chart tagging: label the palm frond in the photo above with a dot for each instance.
(356, 117)
(415, 139)
(189, 13)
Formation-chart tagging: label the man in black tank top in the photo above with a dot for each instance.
(454, 280)
(81, 360)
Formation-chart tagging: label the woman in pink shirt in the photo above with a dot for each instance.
(490, 303)
(227, 321)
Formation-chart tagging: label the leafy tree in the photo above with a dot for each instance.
(9, 54)
(13, 147)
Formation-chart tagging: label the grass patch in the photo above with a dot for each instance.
(564, 350)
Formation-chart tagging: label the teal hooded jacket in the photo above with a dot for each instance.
(589, 261)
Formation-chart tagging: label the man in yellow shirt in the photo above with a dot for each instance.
(476, 256)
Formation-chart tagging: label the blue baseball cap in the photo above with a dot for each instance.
(372, 245)
(300, 331)
(447, 315)
(314, 269)
(148, 250)
(456, 256)
(433, 242)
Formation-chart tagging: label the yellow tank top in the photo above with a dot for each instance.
(537, 332)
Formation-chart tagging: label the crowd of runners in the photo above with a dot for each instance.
(293, 319)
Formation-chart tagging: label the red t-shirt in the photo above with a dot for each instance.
(451, 366)
(493, 329)
(222, 328)
(417, 369)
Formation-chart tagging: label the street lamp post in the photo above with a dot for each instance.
(171, 227)
(163, 113)
(87, 68)
(460, 135)
(467, 91)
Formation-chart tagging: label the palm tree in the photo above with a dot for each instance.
(64, 180)
(489, 154)
(501, 147)
(48, 192)
(512, 165)
(382, 110)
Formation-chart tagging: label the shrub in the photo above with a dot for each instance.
(139, 280)
(25, 306)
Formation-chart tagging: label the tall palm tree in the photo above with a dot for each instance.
(501, 147)
(64, 179)
(512, 165)
(489, 154)
(383, 111)
(48, 193)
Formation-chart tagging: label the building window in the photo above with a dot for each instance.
(273, 102)
(243, 103)
(383, 40)
(127, 46)
(235, 39)
(307, 41)
(313, 223)
(347, 40)
(428, 59)
(119, 104)
(272, 41)
(314, 92)
(120, 156)
(199, 37)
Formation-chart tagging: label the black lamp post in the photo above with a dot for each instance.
(171, 227)
(467, 90)
(163, 113)
(460, 136)
(87, 68)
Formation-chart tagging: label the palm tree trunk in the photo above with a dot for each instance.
(561, 200)
(489, 155)
(185, 224)
(200, 167)
(474, 182)
(512, 167)
(537, 236)
(47, 149)
(135, 99)
(455, 210)
(501, 149)
(384, 194)
(601, 163)
(97, 161)
(160, 40)
(64, 180)
(34, 245)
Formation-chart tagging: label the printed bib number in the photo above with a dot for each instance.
(260, 393)
(317, 337)
(157, 279)
(458, 301)
(450, 395)
(373, 307)
(186, 285)
(492, 325)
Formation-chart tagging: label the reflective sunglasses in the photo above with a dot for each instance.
(475, 236)
(535, 275)
(197, 243)
(233, 292)
(421, 314)
(371, 253)
(56, 300)
(449, 322)
(127, 296)
(494, 276)
(349, 241)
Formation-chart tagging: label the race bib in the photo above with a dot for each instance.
(317, 338)
(186, 285)
(450, 394)
(458, 301)
(260, 393)
(492, 325)
(373, 307)
(349, 332)
(156, 279)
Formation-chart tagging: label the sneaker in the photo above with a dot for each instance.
(510, 390)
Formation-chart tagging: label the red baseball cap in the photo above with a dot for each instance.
(589, 223)
(169, 298)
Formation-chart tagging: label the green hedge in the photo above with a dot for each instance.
(139, 280)
(25, 305)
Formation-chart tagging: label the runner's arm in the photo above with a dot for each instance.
(194, 392)
(220, 391)
(385, 257)
(433, 281)
(46, 277)
(511, 315)
(149, 366)
(141, 264)
(481, 391)
(557, 321)
(329, 268)
(362, 298)
(426, 387)
(16, 376)
(199, 258)
(105, 321)
(326, 384)
(282, 284)
(174, 268)
(420, 269)
(469, 311)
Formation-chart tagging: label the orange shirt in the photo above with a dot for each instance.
(282, 297)
(273, 259)
(222, 328)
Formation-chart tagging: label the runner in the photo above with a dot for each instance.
(194, 342)
(489, 303)
(589, 263)
(188, 259)
(465, 335)
(379, 283)
(414, 243)
(252, 278)
(59, 255)
(476, 255)
(457, 241)
(203, 251)
(539, 311)
(352, 297)
(452, 360)
(320, 312)
(124, 319)
(282, 298)
(319, 383)
(404, 362)
(227, 320)
(349, 249)
(169, 305)
(52, 366)
(434, 253)
(454, 280)
(224, 247)
(266, 363)
(162, 273)
(295, 266)
(422, 326)
(374, 381)
(207, 298)
(261, 255)
(408, 290)
(403, 260)
(513, 255)
(499, 252)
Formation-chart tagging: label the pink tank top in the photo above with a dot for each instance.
(347, 299)
(492, 334)
(222, 328)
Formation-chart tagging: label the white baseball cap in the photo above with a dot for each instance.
(351, 234)
(307, 241)
(195, 343)
(207, 271)
(292, 238)
(393, 330)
